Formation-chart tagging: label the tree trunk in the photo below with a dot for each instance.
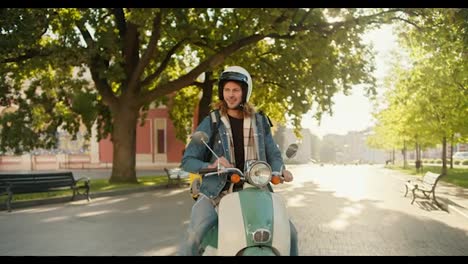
(444, 156)
(403, 151)
(205, 101)
(451, 151)
(393, 156)
(124, 143)
(418, 162)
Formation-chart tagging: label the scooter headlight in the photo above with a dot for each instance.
(259, 174)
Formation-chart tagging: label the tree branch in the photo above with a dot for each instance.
(204, 45)
(97, 65)
(278, 36)
(307, 14)
(109, 98)
(209, 63)
(149, 53)
(407, 21)
(359, 19)
(131, 51)
(163, 65)
(120, 21)
(28, 54)
(462, 87)
(86, 35)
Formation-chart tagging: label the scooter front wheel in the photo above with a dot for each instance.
(257, 251)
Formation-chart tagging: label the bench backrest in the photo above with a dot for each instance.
(430, 178)
(36, 181)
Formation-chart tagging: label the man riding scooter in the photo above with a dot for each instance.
(242, 135)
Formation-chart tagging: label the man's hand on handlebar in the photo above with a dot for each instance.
(287, 175)
(222, 161)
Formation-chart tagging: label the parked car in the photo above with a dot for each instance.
(463, 155)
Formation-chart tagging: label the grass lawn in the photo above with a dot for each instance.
(97, 185)
(457, 176)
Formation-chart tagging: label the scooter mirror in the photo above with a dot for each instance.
(292, 150)
(200, 137)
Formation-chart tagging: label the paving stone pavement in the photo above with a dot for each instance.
(341, 210)
(351, 210)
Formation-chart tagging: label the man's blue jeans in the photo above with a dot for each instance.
(202, 218)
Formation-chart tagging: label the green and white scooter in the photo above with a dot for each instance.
(253, 221)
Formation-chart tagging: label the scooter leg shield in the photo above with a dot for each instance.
(253, 218)
(281, 226)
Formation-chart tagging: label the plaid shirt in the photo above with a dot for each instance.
(250, 140)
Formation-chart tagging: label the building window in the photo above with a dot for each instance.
(160, 136)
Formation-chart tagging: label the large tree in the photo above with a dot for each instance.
(136, 57)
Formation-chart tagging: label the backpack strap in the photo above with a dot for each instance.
(214, 119)
(214, 131)
(268, 119)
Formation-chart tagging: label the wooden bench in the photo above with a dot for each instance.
(41, 182)
(426, 185)
(175, 176)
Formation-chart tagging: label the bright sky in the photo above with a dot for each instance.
(353, 112)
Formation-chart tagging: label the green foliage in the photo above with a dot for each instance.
(429, 96)
(293, 73)
(85, 105)
(182, 106)
(43, 111)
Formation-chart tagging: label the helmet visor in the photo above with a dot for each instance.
(234, 76)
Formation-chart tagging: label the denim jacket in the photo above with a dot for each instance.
(192, 160)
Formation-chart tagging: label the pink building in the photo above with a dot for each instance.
(156, 142)
(156, 147)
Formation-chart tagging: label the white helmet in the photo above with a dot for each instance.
(237, 74)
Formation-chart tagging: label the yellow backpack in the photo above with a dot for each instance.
(195, 181)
